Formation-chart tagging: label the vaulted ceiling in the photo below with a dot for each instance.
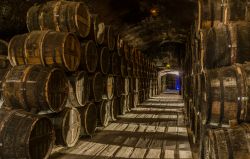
(147, 23)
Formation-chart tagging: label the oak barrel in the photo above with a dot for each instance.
(119, 45)
(125, 85)
(118, 89)
(96, 86)
(64, 16)
(24, 135)
(35, 88)
(126, 51)
(94, 33)
(235, 10)
(109, 86)
(228, 143)
(103, 112)
(210, 12)
(227, 44)
(115, 63)
(129, 69)
(109, 39)
(89, 56)
(123, 67)
(136, 99)
(101, 33)
(46, 48)
(88, 119)
(79, 89)
(67, 125)
(114, 108)
(226, 95)
(123, 104)
(130, 101)
(104, 60)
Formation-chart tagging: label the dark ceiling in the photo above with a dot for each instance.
(147, 23)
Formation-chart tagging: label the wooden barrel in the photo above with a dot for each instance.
(67, 125)
(228, 143)
(227, 44)
(55, 15)
(226, 95)
(123, 67)
(126, 51)
(123, 104)
(141, 95)
(109, 39)
(131, 84)
(136, 99)
(210, 12)
(101, 33)
(109, 86)
(103, 112)
(136, 56)
(88, 119)
(119, 45)
(115, 63)
(126, 85)
(104, 60)
(46, 48)
(197, 126)
(35, 88)
(24, 135)
(129, 69)
(118, 89)
(235, 10)
(136, 84)
(114, 108)
(134, 70)
(132, 54)
(89, 56)
(79, 89)
(96, 86)
(95, 32)
(130, 102)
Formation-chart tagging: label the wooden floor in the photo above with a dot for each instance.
(154, 130)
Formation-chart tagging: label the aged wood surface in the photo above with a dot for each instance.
(155, 129)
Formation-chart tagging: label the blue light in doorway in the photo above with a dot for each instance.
(177, 83)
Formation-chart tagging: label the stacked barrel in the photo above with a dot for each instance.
(67, 76)
(216, 79)
(137, 74)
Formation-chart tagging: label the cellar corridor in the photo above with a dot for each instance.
(155, 129)
(119, 79)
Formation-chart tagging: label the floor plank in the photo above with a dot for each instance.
(153, 130)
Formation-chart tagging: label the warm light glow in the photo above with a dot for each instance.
(154, 11)
(168, 66)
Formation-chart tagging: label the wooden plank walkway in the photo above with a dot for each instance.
(154, 130)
